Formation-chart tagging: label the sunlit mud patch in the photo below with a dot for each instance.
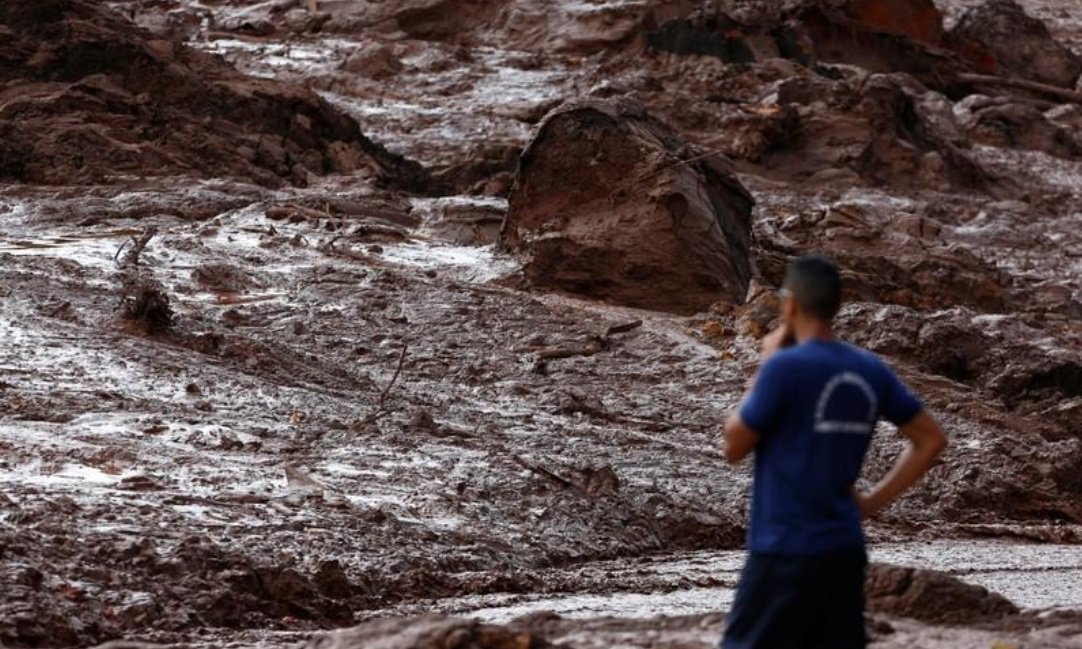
(467, 263)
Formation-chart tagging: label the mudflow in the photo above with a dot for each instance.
(422, 315)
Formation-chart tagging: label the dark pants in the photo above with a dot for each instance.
(799, 602)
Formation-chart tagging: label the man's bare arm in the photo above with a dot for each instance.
(739, 439)
(926, 441)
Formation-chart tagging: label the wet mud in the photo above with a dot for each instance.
(264, 376)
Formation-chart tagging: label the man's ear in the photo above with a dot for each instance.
(788, 308)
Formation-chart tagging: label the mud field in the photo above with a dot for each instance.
(313, 320)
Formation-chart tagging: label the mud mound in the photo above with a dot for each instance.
(520, 24)
(194, 582)
(932, 597)
(431, 632)
(1005, 123)
(882, 128)
(88, 96)
(877, 35)
(609, 202)
(999, 37)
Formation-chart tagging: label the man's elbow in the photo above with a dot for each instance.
(940, 444)
(736, 445)
(934, 445)
(734, 455)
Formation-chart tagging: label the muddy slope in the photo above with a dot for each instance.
(87, 96)
(355, 410)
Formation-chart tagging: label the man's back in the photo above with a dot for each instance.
(809, 420)
(815, 406)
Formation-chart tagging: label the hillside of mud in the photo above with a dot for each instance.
(422, 307)
(88, 97)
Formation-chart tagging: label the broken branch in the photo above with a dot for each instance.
(132, 258)
(544, 473)
(381, 408)
(1044, 88)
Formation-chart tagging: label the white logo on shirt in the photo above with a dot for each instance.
(851, 426)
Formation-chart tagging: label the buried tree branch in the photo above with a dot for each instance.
(543, 472)
(132, 257)
(381, 406)
(1064, 94)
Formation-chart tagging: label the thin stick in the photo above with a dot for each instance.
(132, 258)
(1055, 91)
(394, 379)
(543, 472)
(381, 408)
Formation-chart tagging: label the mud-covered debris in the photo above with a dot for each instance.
(610, 203)
(932, 597)
(144, 303)
(878, 35)
(223, 277)
(881, 128)
(139, 482)
(1007, 123)
(465, 224)
(596, 482)
(999, 37)
(375, 61)
(430, 632)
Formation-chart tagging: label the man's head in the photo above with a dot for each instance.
(812, 290)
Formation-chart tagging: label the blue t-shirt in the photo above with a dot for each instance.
(814, 408)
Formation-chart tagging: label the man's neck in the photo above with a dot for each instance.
(812, 330)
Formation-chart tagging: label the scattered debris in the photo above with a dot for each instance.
(144, 303)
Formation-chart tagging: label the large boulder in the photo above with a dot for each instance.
(610, 203)
(999, 37)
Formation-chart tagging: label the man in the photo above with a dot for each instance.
(809, 418)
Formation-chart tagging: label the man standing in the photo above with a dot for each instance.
(809, 418)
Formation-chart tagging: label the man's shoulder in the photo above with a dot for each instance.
(786, 357)
(872, 362)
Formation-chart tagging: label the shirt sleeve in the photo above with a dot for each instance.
(899, 405)
(761, 409)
